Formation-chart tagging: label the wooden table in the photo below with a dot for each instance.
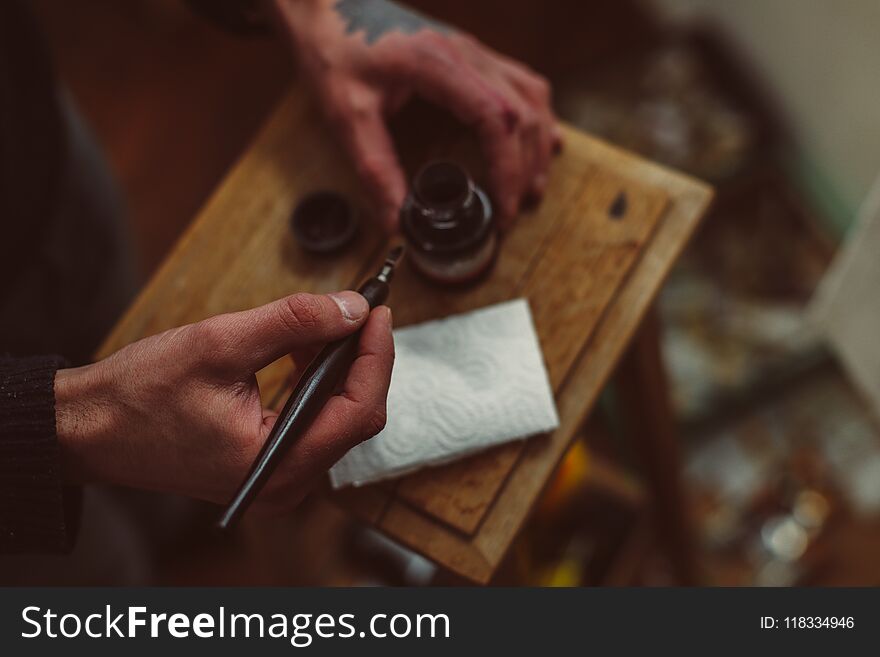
(590, 260)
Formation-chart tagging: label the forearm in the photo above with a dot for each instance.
(368, 19)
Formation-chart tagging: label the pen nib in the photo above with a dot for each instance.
(394, 256)
(390, 263)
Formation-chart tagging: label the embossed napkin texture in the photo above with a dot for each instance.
(460, 385)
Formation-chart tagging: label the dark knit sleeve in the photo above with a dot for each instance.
(37, 513)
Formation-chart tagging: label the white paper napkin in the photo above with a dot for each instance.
(460, 385)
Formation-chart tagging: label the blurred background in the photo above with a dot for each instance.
(774, 102)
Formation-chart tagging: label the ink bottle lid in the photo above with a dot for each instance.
(447, 222)
(324, 222)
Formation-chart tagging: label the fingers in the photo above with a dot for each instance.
(361, 128)
(366, 387)
(447, 80)
(249, 340)
(507, 107)
(534, 160)
(357, 413)
(536, 91)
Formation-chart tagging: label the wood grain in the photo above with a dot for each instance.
(239, 252)
(476, 556)
(585, 260)
(589, 279)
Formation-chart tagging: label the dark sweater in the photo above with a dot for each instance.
(37, 513)
(33, 513)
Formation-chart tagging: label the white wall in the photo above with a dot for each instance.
(821, 58)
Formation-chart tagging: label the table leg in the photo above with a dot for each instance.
(648, 419)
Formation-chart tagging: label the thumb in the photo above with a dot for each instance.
(252, 339)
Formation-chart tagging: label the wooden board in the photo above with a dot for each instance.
(584, 260)
(589, 277)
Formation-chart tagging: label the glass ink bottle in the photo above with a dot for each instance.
(448, 225)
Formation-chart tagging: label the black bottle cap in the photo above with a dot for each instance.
(324, 222)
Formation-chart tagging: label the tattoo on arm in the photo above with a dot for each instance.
(375, 18)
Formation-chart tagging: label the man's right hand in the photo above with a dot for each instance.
(181, 411)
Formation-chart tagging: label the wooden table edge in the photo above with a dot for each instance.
(476, 557)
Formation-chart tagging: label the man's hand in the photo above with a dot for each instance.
(365, 58)
(181, 412)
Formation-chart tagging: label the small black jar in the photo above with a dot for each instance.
(447, 221)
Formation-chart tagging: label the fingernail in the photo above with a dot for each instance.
(389, 317)
(352, 305)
